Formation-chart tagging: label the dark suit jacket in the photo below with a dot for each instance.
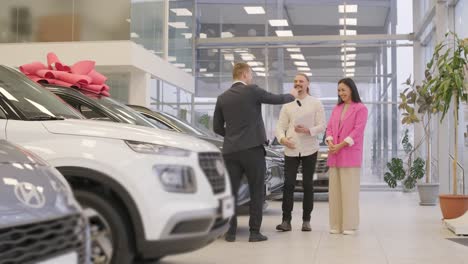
(238, 116)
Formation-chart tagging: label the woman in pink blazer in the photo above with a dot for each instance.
(345, 137)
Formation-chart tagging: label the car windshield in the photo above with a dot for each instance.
(125, 113)
(31, 99)
(186, 128)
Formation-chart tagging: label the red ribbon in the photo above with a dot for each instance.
(81, 75)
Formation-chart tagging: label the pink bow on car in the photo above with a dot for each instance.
(81, 75)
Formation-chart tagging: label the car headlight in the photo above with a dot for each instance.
(149, 148)
(175, 178)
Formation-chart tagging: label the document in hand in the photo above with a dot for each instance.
(306, 119)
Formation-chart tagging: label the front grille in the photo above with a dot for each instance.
(192, 226)
(321, 166)
(213, 166)
(40, 241)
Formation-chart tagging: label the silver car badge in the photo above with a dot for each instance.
(29, 195)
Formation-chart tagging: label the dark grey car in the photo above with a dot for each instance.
(40, 221)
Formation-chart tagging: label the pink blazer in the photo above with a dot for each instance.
(353, 125)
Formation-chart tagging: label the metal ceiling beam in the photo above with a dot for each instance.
(296, 40)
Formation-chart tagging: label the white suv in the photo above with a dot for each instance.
(147, 193)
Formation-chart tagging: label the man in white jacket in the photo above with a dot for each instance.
(299, 124)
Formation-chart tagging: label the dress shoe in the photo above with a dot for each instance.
(284, 226)
(230, 237)
(306, 226)
(334, 231)
(257, 237)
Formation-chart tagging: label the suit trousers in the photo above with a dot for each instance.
(251, 163)
(343, 192)
(291, 165)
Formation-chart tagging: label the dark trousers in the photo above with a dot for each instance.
(250, 162)
(291, 165)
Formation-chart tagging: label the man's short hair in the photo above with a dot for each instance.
(239, 69)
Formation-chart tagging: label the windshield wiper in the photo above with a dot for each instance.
(45, 117)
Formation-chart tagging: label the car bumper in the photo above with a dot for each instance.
(189, 231)
(160, 248)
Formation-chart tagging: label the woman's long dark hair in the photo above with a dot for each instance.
(354, 91)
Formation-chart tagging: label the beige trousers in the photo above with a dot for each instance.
(343, 196)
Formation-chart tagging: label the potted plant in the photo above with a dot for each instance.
(417, 106)
(407, 172)
(445, 75)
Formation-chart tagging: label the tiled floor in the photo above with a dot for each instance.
(394, 230)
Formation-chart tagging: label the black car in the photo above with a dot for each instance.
(320, 177)
(98, 107)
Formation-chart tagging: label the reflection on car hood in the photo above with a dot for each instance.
(219, 144)
(30, 192)
(128, 132)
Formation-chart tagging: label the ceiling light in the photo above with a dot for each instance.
(187, 70)
(258, 69)
(303, 69)
(241, 50)
(202, 70)
(349, 75)
(301, 63)
(226, 35)
(248, 57)
(349, 21)
(254, 10)
(261, 74)
(293, 49)
(171, 58)
(278, 22)
(187, 35)
(348, 57)
(178, 24)
(181, 11)
(348, 49)
(348, 32)
(348, 44)
(284, 33)
(348, 64)
(180, 65)
(297, 56)
(347, 8)
(254, 63)
(349, 70)
(203, 35)
(209, 74)
(229, 57)
(308, 73)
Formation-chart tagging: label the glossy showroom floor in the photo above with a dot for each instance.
(394, 229)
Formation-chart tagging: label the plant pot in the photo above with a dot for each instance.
(453, 206)
(428, 193)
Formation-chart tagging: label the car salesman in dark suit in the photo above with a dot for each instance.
(238, 118)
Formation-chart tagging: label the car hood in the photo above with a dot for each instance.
(122, 131)
(219, 144)
(32, 193)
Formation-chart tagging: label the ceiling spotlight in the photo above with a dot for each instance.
(254, 10)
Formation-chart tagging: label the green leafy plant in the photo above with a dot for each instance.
(409, 172)
(418, 106)
(446, 81)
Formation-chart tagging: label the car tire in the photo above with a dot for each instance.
(115, 221)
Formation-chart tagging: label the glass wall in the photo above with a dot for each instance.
(461, 13)
(147, 22)
(63, 20)
(181, 31)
